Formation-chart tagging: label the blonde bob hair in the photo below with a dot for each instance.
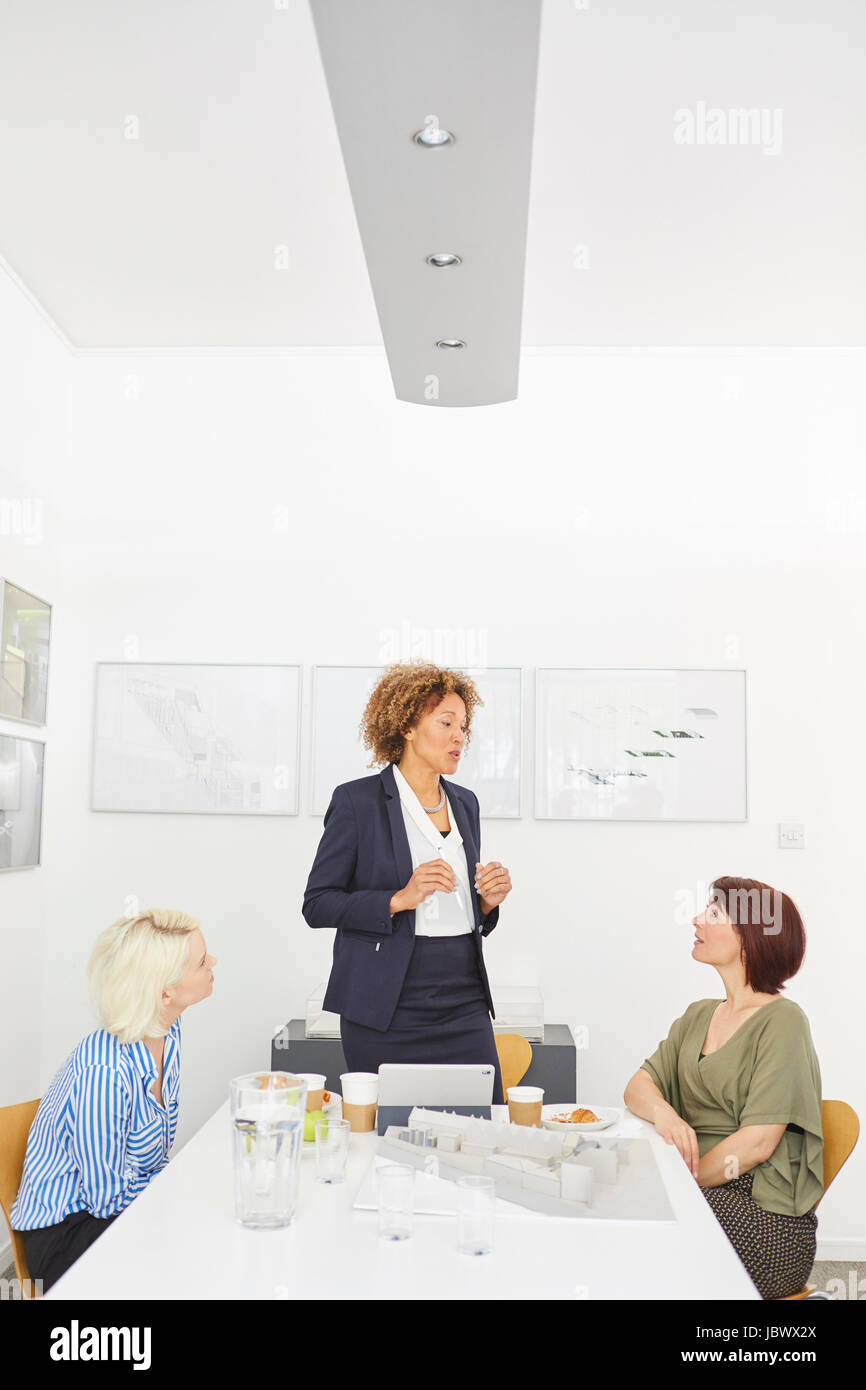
(133, 961)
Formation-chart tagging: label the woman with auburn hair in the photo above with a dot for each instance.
(398, 873)
(106, 1123)
(737, 1088)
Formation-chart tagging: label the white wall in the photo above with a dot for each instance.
(628, 510)
(34, 373)
(34, 368)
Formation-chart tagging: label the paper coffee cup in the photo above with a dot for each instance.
(524, 1105)
(360, 1087)
(360, 1094)
(362, 1118)
(315, 1089)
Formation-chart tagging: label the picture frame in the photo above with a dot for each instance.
(490, 766)
(645, 744)
(206, 739)
(22, 778)
(25, 634)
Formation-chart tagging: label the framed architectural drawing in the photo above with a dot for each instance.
(212, 740)
(640, 745)
(25, 623)
(22, 764)
(340, 695)
(490, 765)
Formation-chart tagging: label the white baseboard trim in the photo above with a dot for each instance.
(846, 1248)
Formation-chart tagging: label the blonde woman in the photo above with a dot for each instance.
(398, 874)
(106, 1123)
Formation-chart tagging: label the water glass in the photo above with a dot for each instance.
(396, 1191)
(476, 1209)
(268, 1111)
(332, 1149)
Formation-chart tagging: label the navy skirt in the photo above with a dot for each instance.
(441, 1015)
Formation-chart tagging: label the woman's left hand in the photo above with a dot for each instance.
(494, 882)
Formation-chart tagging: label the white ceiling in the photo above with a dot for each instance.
(169, 240)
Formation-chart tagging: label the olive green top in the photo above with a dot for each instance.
(765, 1074)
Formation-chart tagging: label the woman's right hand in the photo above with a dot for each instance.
(674, 1130)
(436, 876)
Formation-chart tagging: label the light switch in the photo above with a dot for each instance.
(792, 835)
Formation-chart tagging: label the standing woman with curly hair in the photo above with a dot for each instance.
(398, 873)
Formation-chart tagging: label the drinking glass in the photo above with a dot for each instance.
(332, 1149)
(268, 1111)
(396, 1189)
(476, 1208)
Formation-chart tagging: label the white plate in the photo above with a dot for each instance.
(334, 1111)
(607, 1115)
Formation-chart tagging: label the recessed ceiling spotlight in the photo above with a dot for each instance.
(432, 136)
(442, 259)
(450, 343)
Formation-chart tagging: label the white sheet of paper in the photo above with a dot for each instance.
(433, 1196)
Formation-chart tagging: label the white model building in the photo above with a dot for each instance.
(534, 1167)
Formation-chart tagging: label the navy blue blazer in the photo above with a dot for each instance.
(363, 859)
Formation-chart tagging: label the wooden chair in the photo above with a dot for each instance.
(15, 1122)
(841, 1130)
(515, 1056)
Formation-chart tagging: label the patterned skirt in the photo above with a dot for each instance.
(778, 1251)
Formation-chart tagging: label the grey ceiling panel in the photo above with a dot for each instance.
(394, 67)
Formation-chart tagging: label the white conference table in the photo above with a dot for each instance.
(179, 1240)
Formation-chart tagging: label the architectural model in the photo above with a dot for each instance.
(570, 1174)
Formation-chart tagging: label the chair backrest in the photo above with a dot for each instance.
(841, 1130)
(15, 1122)
(515, 1056)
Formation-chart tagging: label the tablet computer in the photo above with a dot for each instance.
(467, 1089)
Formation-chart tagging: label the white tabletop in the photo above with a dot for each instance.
(179, 1239)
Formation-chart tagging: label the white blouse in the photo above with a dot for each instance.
(442, 914)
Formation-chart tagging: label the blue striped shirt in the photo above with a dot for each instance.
(99, 1135)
